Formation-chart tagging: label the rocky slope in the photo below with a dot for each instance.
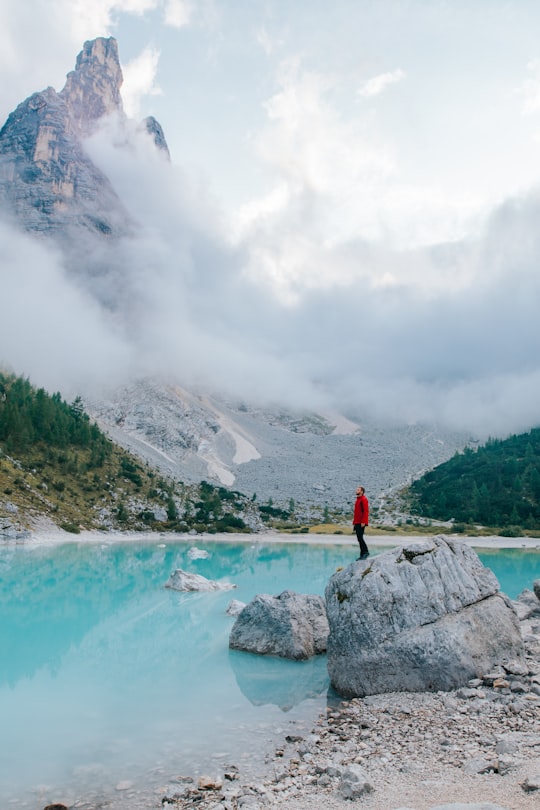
(314, 459)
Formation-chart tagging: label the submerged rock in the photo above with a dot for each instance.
(291, 625)
(195, 553)
(181, 580)
(426, 616)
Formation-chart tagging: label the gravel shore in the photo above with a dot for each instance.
(475, 747)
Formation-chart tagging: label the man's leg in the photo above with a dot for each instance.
(364, 551)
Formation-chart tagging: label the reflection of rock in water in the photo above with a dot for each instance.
(284, 683)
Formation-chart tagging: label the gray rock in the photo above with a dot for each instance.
(235, 607)
(536, 588)
(354, 783)
(290, 625)
(506, 764)
(506, 746)
(478, 765)
(181, 580)
(531, 783)
(427, 616)
(516, 668)
(527, 605)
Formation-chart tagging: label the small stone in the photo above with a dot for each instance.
(209, 783)
(516, 668)
(354, 783)
(125, 785)
(490, 677)
(518, 687)
(478, 765)
(507, 747)
(506, 764)
(531, 784)
(466, 693)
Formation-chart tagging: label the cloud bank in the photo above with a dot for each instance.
(461, 351)
(355, 279)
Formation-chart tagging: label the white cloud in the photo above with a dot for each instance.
(530, 89)
(88, 20)
(68, 343)
(466, 354)
(335, 286)
(139, 80)
(178, 13)
(336, 180)
(378, 84)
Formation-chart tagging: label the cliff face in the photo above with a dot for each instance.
(92, 90)
(47, 180)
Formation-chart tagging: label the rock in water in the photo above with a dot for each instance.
(235, 607)
(291, 625)
(181, 580)
(422, 617)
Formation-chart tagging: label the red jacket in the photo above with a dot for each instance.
(361, 510)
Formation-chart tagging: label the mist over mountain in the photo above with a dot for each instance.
(123, 281)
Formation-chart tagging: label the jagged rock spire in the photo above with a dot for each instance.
(92, 90)
(155, 130)
(48, 180)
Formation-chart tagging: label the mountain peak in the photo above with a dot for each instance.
(92, 90)
(48, 180)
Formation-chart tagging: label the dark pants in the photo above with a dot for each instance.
(360, 537)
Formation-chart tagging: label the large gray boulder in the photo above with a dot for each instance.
(291, 625)
(426, 616)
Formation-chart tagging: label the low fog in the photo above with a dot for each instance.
(444, 334)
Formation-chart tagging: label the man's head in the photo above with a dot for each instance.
(360, 491)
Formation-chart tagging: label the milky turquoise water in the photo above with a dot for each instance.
(106, 676)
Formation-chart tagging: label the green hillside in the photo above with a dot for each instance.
(496, 485)
(55, 463)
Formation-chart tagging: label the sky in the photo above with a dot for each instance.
(349, 219)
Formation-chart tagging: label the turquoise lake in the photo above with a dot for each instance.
(106, 676)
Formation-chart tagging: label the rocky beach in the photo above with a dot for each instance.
(476, 747)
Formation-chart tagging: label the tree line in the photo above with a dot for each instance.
(497, 484)
(30, 416)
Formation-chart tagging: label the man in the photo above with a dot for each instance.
(360, 521)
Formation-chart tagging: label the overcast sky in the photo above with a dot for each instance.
(353, 197)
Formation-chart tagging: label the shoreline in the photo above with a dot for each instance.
(51, 537)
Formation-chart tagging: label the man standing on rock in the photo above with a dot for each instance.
(360, 521)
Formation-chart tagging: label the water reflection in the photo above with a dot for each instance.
(270, 680)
